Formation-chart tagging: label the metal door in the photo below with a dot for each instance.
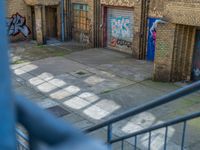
(196, 58)
(152, 25)
(119, 28)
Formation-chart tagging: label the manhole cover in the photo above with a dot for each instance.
(58, 111)
(81, 73)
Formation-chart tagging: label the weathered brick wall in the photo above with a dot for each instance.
(183, 53)
(90, 34)
(156, 8)
(164, 52)
(19, 6)
(184, 12)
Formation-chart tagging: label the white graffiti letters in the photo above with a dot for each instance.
(17, 24)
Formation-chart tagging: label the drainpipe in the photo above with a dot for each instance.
(63, 21)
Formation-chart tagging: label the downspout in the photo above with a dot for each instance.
(63, 21)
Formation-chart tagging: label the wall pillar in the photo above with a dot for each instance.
(164, 52)
(39, 24)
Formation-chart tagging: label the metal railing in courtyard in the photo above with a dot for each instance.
(173, 96)
(56, 134)
(44, 131)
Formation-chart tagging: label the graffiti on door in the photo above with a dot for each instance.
(153, 23)
(17, 24)
(121, 31)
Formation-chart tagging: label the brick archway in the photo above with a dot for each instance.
(42, 2)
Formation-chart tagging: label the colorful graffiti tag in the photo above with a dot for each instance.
(17, 24)
(153, 23)
(121, 31)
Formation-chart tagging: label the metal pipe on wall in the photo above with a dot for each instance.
(63, 21)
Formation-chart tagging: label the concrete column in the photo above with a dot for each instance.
(39, 24)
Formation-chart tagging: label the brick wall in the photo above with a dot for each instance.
(14, 6)
(164, 51)
(156, 8)
(89, 36)
(183, 12)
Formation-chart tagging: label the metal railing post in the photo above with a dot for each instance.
(7, 115)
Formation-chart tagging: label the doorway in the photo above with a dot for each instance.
(51, 23)
(196, 58)
(33, 23)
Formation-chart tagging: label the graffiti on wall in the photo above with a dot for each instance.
(153, 23)
(16, 25)
(121, 31)
(84, 38)
(121, 27)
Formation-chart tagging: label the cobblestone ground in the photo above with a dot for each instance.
(87, 86)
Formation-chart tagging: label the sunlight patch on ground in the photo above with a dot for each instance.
(90, 97)
(138, 122)
(92, 80)
(57, 82)
(46, 87)
(143, 121)
(46, 76)
(29, 67)
(19, 72)
(76, 103)
(72, 89)
(100, 110)
(36, 81)
(157, 137)
(59, 95)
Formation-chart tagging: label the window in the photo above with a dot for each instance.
(80, 17)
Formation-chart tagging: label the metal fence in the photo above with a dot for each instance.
(44, 130)
(173, 96)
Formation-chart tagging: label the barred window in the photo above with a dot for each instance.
(80, 17)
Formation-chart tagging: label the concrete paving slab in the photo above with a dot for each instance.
(132, 96)
(166, 87)
(47, 103)
(95, 57)
(84, 124)
(73, 118)
(114, 84)
(56, 66)
(135, 73)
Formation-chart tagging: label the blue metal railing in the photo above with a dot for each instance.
(173, 96)
(44, 130)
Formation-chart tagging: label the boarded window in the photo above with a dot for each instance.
(80, 17)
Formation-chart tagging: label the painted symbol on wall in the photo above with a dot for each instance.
(121, 31)
(153, 23)
(16, 25)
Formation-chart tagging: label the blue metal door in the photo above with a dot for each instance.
(196, 58)
(152, 25)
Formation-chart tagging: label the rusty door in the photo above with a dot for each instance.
(51, 22)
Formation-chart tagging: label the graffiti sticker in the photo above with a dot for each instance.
(17, 24)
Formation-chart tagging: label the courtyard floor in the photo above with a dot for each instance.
(87, 86)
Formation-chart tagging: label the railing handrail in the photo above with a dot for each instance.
(188, 89)
(159, 126)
